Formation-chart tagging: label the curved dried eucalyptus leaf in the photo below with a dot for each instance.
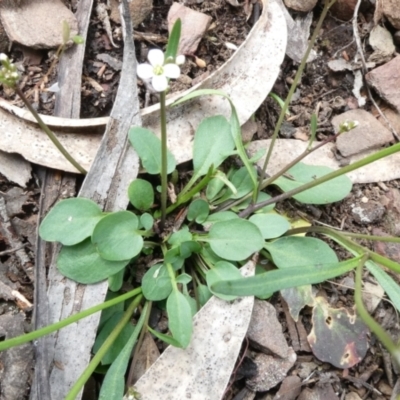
(115, 236)
(70, 221)
(82, 263)
(338, 336)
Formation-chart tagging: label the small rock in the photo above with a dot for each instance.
(301, 5)
(352, 396)
(344, 9)
(139, 10)
(271, 371)
(319, 392)
(290, 388)
(372, 296)
(386, 81)
(391, 10)
(369, 134)
(367, 213)
(306, 369)
(265, 331)
(38, 24)
(194, 26)
(381, 40)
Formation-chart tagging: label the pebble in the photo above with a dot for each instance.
(367, 213)
(301, 5)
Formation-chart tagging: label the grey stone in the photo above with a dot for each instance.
(367, 213)
(369, 134)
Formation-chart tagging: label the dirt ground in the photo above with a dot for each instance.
(372, 378)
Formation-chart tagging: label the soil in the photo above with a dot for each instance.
(373, 377)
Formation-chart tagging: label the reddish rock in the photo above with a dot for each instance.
(391, 10)
(386, 81)
(301, 5)
(344, 9)
(194, 26)
(367, 135)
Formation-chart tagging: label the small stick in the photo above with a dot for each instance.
(12, 238)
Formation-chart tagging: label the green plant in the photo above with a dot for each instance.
(229, 216)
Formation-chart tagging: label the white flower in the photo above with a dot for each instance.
(3, 57)
(180, 60)
(157, 71)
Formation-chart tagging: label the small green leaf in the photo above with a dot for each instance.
(213, 188)
(222, 271)
(115, 281)
(334, 190)
(78, 39)
(189, 247)
(296, 251)
(115, 236)
(198, 211)
(118, 344)
(179, 318)
(275, 280)
(242, 182)
(165, 338)
(213, 143)
(146, 221)
(141, 194)
(180, 236)
(65, 32)
(148, 147)
(70, 221)
(271, 225)
(173, 41)
(183, 278)
(156, 283)
(218, 217)
(82, 263)
(235, 239)
(204, 294)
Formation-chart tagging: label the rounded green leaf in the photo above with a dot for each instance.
(115, 236)
(271, 225)
(198, 211)
(146, 221)
(82, 263)
(222, 271)
(296, 251)
(156, 283)
(334, 190)
(179, 318)
(148, 147)
(236, 239)
(141, 194)
(70, 221)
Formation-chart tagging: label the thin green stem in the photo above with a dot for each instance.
(103, 349)
(49, 133)
(291, 92)
(368, 320)
(164, 163)
(334, 174)
(28, 337)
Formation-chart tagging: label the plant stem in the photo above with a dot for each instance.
(103, 349)
(296, 80)
(164, 165)
(49, 133)
(17, 341)
(368, 320)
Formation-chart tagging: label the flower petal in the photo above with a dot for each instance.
(145, 71)
(156, 57)
(159, 82)
(180, 59)
(172, 71)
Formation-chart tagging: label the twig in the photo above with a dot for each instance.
(9, 233)
(7, 293)
(365, 70)
(5, 252)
